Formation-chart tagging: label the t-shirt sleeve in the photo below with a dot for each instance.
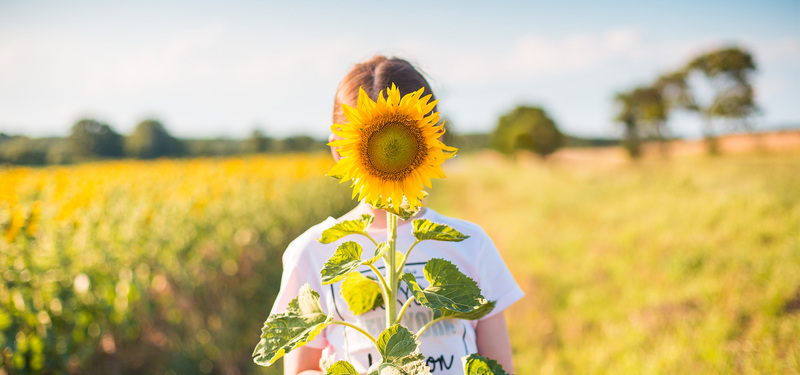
(297, 271)
(496, 282)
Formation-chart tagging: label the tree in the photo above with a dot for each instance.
(626, 114)
(23, 151)
(151, 140)
(301, 143)
(527, 128)
(728, 73)
(643, 111)
(90, 138)
(258, 142)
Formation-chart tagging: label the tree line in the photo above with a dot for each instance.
(716, 86)
(90, 139)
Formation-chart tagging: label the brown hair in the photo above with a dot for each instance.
(376, 75)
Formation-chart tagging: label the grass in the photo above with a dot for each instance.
(688, 265)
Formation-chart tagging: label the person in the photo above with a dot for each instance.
(445, 342)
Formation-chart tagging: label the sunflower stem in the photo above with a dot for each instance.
(357, 328)
(384, 286)
(405, 307)
(391, 270)
(426, 326)
(405, 258)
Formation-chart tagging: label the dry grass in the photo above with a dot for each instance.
(685, 265)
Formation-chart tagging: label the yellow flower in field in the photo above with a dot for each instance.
(390, 148)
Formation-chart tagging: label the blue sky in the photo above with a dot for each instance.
(211, 69)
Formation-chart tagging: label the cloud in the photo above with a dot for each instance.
(783, 50)
(538, 55)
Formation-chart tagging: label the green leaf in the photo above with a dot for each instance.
(403, 211)
(425, 229)
(391, 369)
(475, 364)
(450, 293)
(341, 368)
(361, 293)
(396, 342)
(346, 259)
(301, 323)
(412, 364)
(346, 228)
(380, 251)
(485, 308)
(400, 352)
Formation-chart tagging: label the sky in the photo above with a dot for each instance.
(223, 69)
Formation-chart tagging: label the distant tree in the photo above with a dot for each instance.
(675, 91)
(151, 140)
(471, 142)
(727, 72)
(23, 151)
(643, 112)
(527, 128)
(301, 143)
(626, 115)
(257, 142)
(90, 139)
(59, 152)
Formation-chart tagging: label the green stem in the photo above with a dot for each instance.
(357, 328)
(405, 258)
(384, 286)
(403, 310)
(432, 322)
(370, 238)
(391, 269)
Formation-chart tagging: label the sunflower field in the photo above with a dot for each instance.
(684, 265)
(156, 267)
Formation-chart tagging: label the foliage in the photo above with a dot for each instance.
(726, 73)
(450, 295)
(527, 128)
(301, 323)
(642, 111)
(688, 265)
(34, 151)
(478, 365)
(148, 267)
(91, 139)
(300, 143)
(151, 140)
(258, 142)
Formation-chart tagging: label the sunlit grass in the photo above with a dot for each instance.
(690, 265)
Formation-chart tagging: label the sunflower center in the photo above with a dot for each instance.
(394, 146)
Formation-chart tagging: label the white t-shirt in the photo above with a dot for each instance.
(445, 342)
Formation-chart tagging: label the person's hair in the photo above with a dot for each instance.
(376, 75)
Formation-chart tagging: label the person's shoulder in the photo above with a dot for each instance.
(463, 226)
(307, 241)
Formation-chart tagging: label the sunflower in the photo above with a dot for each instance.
(390, 148)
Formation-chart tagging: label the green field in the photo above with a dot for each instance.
(688, 265)
(684, 266)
